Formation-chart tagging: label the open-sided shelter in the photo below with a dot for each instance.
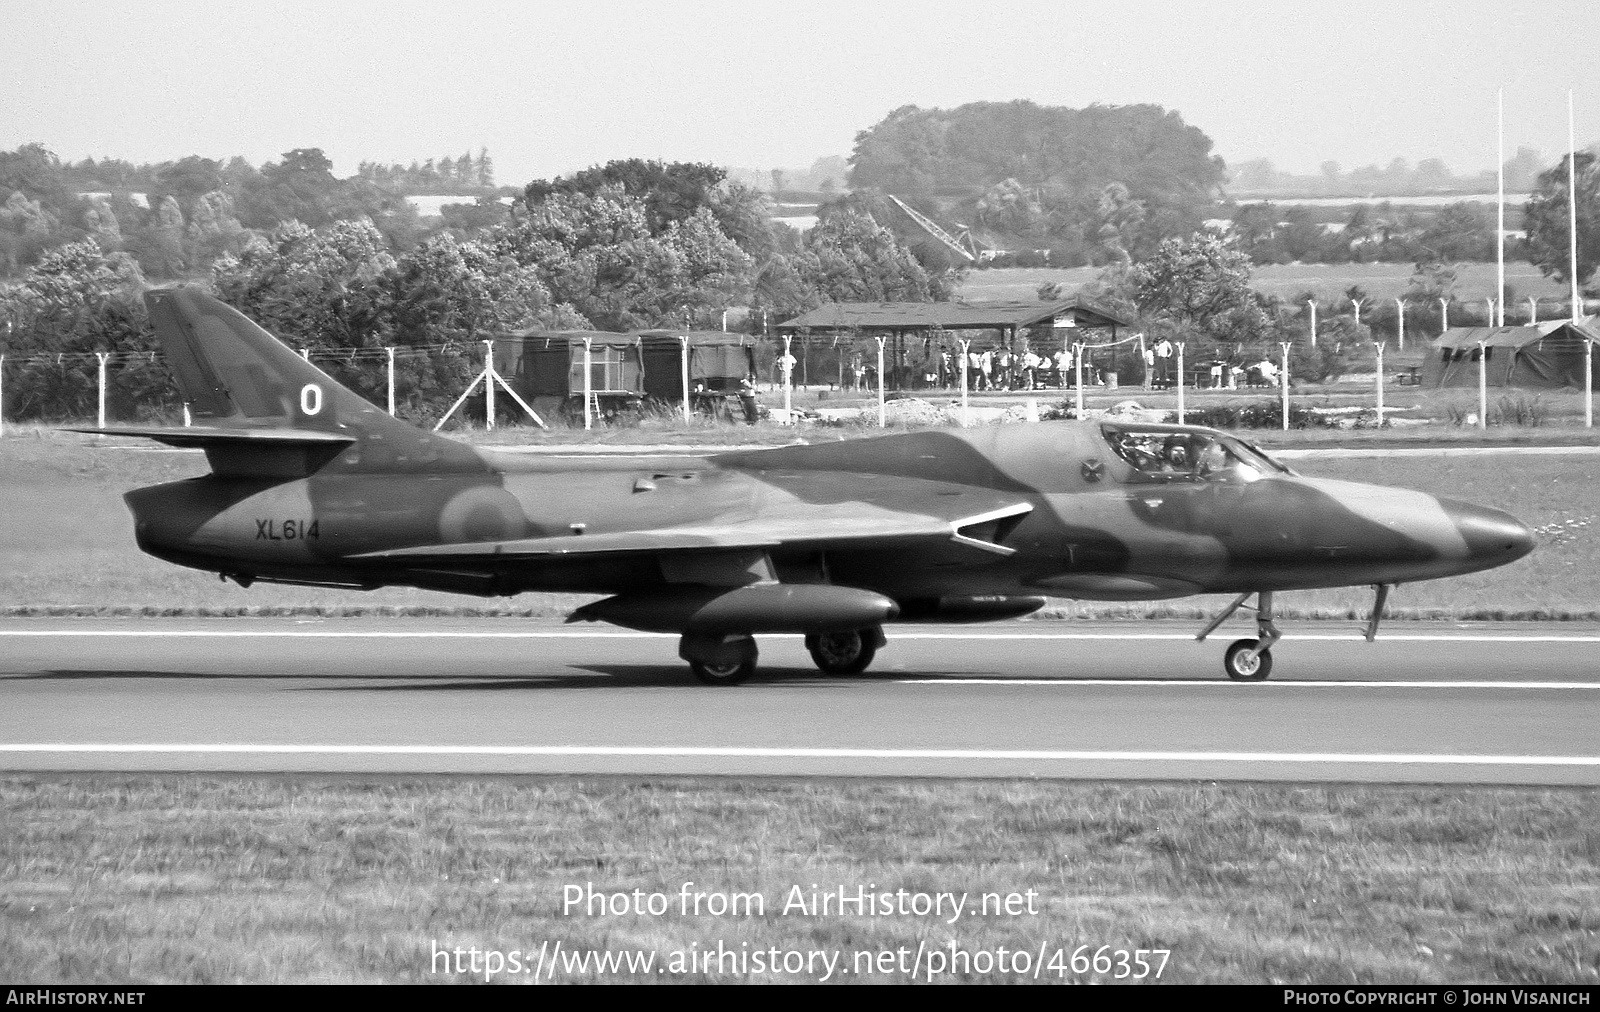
(1047, 325)
(1546, 356)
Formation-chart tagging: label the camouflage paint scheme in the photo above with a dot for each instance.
(312, 484)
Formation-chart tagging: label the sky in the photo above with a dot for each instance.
(551, 88)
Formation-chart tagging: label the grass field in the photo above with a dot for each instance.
(68, 544)
(1474, 281)
(205, 880)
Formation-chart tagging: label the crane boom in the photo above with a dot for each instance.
(931, 228)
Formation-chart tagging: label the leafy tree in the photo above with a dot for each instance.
(317, 289)
(187, 180)
(599, 253)
(1545, 217)
(76, 300)
(1460, 231)
(446, 290)
(35, 172)
(667, 192)
(1067, 156)
(1202, 286)
(464, 219)
(849, 257)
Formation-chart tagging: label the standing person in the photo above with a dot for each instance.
(747, 399)
(1030, 369)
(986, 369)
(1063, 366)
(1163, 352)
(1149, 368)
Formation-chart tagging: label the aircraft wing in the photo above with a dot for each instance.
(819, 527)
(205, 435)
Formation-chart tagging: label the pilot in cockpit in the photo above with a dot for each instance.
(1175, 455)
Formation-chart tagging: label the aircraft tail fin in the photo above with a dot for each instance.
(261, 409)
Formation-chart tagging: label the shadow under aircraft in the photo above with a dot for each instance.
(310, 484)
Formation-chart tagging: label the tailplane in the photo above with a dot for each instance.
(260, 409)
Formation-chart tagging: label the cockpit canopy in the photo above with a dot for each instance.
(1167, 453)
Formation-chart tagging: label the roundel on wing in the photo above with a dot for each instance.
(482, 513)
(1093, 470)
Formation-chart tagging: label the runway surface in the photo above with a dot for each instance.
(1429, 702)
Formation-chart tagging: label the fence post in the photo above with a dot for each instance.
(1533, 311)
(1444, 315)
(100, 411)
(488, 386)
(883, 411)
(391, 380)
(1284, 379)
(683, 365)
(966, 416)
(1400, 321)
(588, 372)
(788, 381)
(2, 394)
(1483, 386)
(1588, 383)
(1313, 304)
(1077, 376)
(1180, 345)
(1379, 348)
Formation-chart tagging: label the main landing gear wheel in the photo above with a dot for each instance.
(844, 653)
(719, 658)
(1245, 663)
(725, 673)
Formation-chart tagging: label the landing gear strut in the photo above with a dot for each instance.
(845, 653)
(1248, 660)
(719, 659)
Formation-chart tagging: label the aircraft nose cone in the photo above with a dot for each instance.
(1493, 538)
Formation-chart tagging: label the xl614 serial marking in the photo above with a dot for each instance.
(286, 530)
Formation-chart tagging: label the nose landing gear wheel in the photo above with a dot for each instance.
(843, 653)
(1244, 666)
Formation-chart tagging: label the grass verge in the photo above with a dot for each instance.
(199, 879)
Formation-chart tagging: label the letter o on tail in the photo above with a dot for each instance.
(311, 399)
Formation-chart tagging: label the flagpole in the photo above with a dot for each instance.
(1572, 212)
(1500, 228)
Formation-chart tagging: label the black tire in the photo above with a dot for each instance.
(843, 653)
(723, 674)
(1255, 669)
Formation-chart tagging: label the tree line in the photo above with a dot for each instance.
(634, 244)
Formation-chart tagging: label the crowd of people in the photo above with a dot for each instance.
(996, 367)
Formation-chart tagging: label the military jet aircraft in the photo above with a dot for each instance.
(310, 484)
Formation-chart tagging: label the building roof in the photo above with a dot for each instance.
(840, 316)
(610, 339)
(1517, 337)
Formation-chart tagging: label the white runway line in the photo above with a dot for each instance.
(1310, 453)
(728, 752)
(1352, 636)
(1213, 683)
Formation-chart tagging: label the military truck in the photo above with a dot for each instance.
(627, 372)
